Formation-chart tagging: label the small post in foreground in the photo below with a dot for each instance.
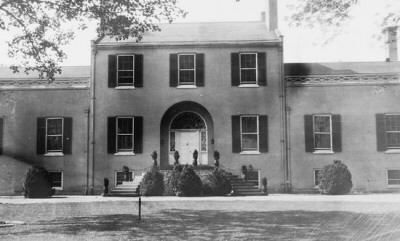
(140, 207)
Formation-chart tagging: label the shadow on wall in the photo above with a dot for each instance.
(304, 69)
(12, 171)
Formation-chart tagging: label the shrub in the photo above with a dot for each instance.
(37, 183)
(189, 183)
(335, 179)
(173, 180)
(207, 190)
(152, 183)
(219, 182)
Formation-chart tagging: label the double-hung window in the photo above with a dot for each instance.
(393, 177)
(249, 133)
(187, 69)
(125, 70)
(322, 132)
(248, 68)
(54, 134)
(392, 129)
(124, 134)
(57, 180)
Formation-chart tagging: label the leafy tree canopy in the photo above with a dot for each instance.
(336, 13)
(40, 35)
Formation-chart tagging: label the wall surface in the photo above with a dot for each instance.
(357, 105)
(218, 97)
(20, 110)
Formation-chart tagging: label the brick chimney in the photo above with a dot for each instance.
(271, 14)
(391, 44)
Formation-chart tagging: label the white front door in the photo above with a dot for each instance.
(189, 141)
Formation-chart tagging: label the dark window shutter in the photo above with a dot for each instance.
(41, 136)
(309, 133)
(173, 70)
(138, 70)
(380, 132)
(236, 145)
(138, 135)
(112, 71)
(263, 127)
(1, 135)
(199, 69)
(336, 133)
(235, 70)
(111, 135)
(262, 68)
(67, 142)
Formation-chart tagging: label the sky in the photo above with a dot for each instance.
(356, 41)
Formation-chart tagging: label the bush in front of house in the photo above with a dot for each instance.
(173, 180)
(335, 179)
(189, 183)
(152, 183)
(219, 182)
(37, 183)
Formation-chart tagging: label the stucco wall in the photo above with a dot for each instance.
(357, 106)
(20, 110)
(218, 97)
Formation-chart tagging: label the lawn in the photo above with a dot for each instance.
(199, 219)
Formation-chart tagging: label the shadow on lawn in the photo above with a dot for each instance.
(207, 224)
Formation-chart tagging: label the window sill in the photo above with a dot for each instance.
(54, 154)
(186, 87)
(125, 88)
(323, 152)
(250, 153)
(124, 154)
(393, 151)
(393, 186)
(248, 86)
(58, 188)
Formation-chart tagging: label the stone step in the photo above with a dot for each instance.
(123, 190)
(122, 195)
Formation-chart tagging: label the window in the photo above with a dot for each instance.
(388, 132)
(54, 135)
(187, 71)
(316, 176)
(393, 177)
(392, 126)
(57, 180)
(124, 134)
(125, 70)
(248, 68)
(249, 133)
(322, 132)
(120, 177)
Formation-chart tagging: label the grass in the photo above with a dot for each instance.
(202, 220)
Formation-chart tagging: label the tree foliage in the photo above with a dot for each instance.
(40, 35)
(336, 13)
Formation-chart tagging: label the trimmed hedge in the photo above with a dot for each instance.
(37, 183)
(152, 183)
(189, 183)
(219, 182)
(173, 180)
(335, 179)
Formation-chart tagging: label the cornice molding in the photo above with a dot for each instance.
(347, 79)
(29, 84)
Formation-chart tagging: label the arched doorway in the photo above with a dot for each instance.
(187, 133)
(186, 126)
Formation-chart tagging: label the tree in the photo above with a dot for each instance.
(336, 13)
(40, 34)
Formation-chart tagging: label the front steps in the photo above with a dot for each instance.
(127, 189)
(244, 188)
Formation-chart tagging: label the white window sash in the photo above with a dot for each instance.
(249, 133)
(117, 134)
(242, 68)
(132, 70)
(57, 135)
(187, 70)
(323, 133)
